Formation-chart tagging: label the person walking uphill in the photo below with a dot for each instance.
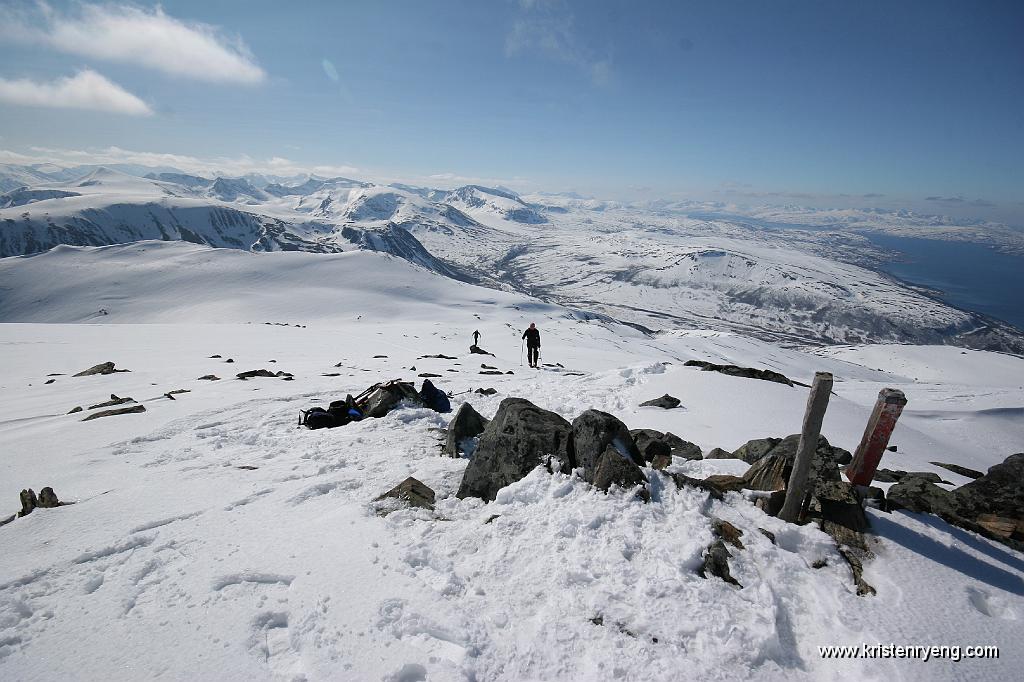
(476, 338)
(532, 336)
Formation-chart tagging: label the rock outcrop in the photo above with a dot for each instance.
(666, 402)
(746, 372)
(466, 424)
(102, 368)
(519, 438)
(592, 433)
(413, 492)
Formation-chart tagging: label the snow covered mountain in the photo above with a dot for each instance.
(662, 266)
(209, 520)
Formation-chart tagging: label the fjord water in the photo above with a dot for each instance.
(969, 276)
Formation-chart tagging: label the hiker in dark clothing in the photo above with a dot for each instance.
(476, 338)
(532, 336)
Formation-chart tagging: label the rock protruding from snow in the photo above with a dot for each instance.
(957, 469)
(520, 437)
(111, 413)
(716, 563)
(999, 492)
(592, 433)
(467, 424)
(666, 402)
(114, 400)
(385, 397)
(263, 373)
(102, 368)
(653, 443)
(47, 499)
(413, 492)
(614, 468)
(755, 449)
(771, 471)
(745, 372)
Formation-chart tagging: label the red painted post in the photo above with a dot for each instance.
(861, 471)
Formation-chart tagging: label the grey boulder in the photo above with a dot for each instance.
(466, 424)
(592, 433)
(520, 437)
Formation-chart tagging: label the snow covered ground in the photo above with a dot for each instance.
(175, 562)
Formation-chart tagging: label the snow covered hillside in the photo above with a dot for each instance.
(661, 266)
(210, 538)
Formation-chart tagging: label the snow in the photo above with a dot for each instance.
(176, 563)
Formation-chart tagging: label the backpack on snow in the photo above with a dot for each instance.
(338, 413)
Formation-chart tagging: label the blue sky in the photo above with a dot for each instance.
(922, 102)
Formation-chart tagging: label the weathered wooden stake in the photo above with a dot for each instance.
(817, 402)
(861, 470)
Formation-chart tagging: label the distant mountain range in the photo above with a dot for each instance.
(784, 273)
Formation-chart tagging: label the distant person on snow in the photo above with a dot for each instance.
(532, 336)
(476, 338)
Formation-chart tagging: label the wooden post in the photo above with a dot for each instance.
(888, 407)
(817, 402)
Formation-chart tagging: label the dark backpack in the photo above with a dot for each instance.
(434, 398)
(317, 418)
(338, 413)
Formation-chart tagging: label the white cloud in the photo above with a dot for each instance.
(149, 38)
(330, 70)
(548, 27)
(210, 166)
(85, 90)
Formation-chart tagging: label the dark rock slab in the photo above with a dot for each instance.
(385, 397)
(413, 492)
(114, 400)
(111, 413)
(771, 471)
(716, 486)
(923, 496)
(252, 373)
(467, 423)
(491, 371)
(652, 443)
(614, 468)
(479, 351)
(888, 475)
(719, 453)
(592, 433)
(48, 499)
(755, 449)
(957, 469)
(102, 368)
(29, 501)
(486, 391)
(211, 377)
(520, 437)
(999, 492)
(855, 559)
(745, 372)
(666, 402)
(716, 563)
(728, 532)
(77, 408)
(439, 356)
